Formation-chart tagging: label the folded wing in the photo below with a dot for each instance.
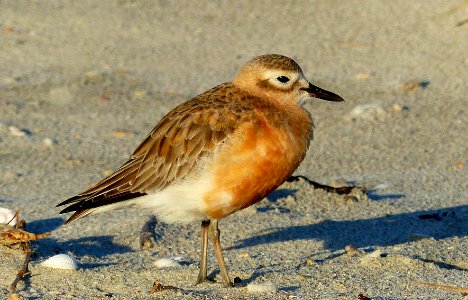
(170, 153)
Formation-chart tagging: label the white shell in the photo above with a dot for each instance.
(6, 215)
(375, 254)
(370, 111)
(166, 263)
(266, 287)
(60, 261)
(381, 186)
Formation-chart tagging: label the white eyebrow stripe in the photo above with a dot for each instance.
(270, 74)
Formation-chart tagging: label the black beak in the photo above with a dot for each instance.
(316, 92)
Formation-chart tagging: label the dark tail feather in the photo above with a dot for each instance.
(73, 200)
(79, 214)
(83, 207)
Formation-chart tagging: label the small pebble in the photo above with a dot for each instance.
(141, 94)
(48, 142)
(119, 133)
(301, 277)
(163, 263)
(413, 84)
(381, 186)
(15, 131)
(244, 255)
(375, 254)
(372, 258)
(370, 111)
(15, 297)
(9, 175)
(362, 75)
(266, 287)
(399, 108)
(107, 172)
(353, 250)
(180, 258)
(94, 77)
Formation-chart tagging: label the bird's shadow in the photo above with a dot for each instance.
(94, 246)
(381, 231)
(273, 198)
(44, 225)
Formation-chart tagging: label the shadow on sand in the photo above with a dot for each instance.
(381, 231)
(96, 246)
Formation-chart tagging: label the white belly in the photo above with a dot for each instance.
(183, 202)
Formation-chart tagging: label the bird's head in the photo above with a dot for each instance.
(279, 78)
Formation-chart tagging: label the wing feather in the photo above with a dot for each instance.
(170, 153)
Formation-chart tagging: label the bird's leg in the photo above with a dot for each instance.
(147, 231)
(202, 277)
(214, 234)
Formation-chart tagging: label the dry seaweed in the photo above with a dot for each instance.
(16, 237)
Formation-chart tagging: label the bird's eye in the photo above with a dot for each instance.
(282, 79)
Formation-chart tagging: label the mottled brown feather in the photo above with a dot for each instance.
(246, 115)
(171, 151)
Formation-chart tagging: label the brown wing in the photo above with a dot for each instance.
(170, 152)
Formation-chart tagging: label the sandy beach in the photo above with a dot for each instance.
(83, 82)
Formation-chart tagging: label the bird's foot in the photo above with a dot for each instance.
(146, 233)
(201, 280)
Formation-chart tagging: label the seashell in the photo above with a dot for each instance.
(381, 186)
(266, 287)
(166, 263)
(7, 215)
(375, 254)
(60, 261)
(362, 75)
(180, 258)
(48, 142)
(15, 131)
(367, 111)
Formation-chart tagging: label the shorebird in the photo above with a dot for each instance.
(217, 153)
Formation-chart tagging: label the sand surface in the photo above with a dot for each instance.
(83, 82)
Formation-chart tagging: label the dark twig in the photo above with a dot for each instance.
(343, 190)
(24, 271)
(16, 237)
(157, 287)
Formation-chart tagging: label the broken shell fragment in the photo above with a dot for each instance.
(266, 287)
(7, 216)
(60, 261)
(163, 263)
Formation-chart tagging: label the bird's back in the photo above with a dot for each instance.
(225, 147)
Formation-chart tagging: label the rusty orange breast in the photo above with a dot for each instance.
(258, 158)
